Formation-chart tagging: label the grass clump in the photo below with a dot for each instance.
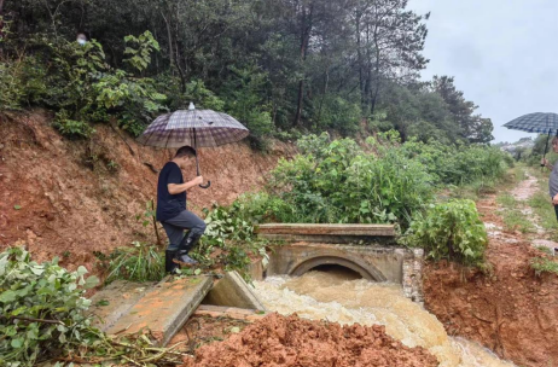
(513, 217)
(507, 200)
(542, 206)
(451, 231)
(139, 262)
(516, 220)
(543, 265)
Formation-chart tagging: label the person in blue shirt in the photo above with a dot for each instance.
(172, 210)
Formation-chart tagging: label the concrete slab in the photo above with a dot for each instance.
(233, 291)
(116, 300)
(164, 308)
(328, 233)
(230, 312)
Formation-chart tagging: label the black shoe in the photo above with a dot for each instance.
(170, 265)
(183, 259)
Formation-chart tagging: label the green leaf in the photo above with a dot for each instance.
(17, 343)
(91, 282)
(8, 296)
(17, 207)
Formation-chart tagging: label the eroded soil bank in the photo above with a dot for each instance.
(509, 310)
(290, 341)
(69, 198)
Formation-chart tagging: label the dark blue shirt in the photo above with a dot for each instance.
(169, 206)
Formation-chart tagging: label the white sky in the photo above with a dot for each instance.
(502, 53)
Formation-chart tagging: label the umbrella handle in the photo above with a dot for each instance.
(206, 186)
(546, 147)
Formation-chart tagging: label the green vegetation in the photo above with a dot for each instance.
(338, 182)
(451, 231)
(43, 317)
(383, 181)
(229, 233)
(140, 263)
(513, 215)
(542, 206)
(41, 308)
(280, 67)
(544, 265)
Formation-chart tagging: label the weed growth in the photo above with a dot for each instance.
(139, 262)
(43, 317)
(451, 231)
(544, 265)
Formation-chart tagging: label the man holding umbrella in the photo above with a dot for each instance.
(553, 181)
(188, 129)
(172, 212)
(542, 123)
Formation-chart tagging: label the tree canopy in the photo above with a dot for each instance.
(280, 66)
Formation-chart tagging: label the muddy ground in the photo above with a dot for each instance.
(278, 341)
(510, 310)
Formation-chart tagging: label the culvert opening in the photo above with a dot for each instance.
(339, 271)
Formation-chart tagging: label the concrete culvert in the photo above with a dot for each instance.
(328, 262)
(339, 271)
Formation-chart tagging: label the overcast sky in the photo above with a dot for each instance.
(502, 53)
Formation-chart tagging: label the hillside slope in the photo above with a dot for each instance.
(71, 198)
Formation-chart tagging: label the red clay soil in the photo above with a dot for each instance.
(511, 311)
(280, 341)
(60, 197)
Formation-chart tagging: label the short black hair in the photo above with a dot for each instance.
(186, 151)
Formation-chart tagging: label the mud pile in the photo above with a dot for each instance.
(290, 341)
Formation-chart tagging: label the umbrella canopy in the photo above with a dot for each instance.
(196, 128)
(539, 122)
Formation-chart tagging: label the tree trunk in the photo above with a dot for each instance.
(305, 30)
(359, 58)
(1, 6)
(374, 97)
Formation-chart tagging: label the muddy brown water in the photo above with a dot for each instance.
(335, 295)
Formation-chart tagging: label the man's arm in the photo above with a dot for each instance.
(175, 189)
(545, 163)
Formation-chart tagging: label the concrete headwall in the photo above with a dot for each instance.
(372, 262)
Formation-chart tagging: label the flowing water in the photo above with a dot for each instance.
(338, 297)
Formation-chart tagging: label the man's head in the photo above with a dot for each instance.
(555, 144)
(183, 155)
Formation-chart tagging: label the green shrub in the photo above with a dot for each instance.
(71, 128)
(76, 81)
(458, 164)
(338, 182)
(451, 231)
(544, 265)
(11, 86)
(41, 309)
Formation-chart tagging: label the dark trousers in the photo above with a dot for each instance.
(175, 227)
(556, 211)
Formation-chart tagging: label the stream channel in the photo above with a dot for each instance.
(338, 295)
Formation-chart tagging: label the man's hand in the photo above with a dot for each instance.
(544, 161)
(175, 189)
(555, 200)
